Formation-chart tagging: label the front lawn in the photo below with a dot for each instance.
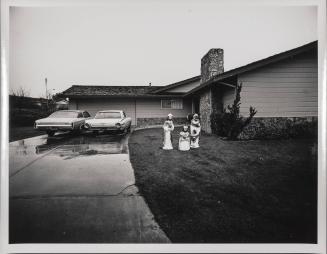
(229, 191)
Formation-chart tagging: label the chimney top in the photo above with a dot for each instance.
(212, 64)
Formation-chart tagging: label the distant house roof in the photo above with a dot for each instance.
(28, 99)
(62, 102)
(255, 65)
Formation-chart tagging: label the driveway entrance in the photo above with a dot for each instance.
(78, 189)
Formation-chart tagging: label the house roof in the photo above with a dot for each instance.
(160, 91)
(255, 65)
(99, 91)
(176, 84)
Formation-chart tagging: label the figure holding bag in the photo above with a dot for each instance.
(195, 129)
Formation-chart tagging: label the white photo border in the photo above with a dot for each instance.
(5, 247)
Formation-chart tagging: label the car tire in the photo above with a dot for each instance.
(50, 133)
(82, 127)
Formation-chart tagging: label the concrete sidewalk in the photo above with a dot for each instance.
(77, 190)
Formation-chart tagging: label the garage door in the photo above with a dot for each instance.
(95, 105)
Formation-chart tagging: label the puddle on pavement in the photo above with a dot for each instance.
(26, 151)
(73, 151)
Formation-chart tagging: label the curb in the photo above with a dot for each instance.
(153, 127)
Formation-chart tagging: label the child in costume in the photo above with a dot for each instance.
(184, 139)
(168, 128)
(195, 130)
(170, 119)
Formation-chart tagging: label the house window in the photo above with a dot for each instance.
(172, 104)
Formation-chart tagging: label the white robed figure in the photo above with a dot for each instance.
(184, 139)
(195, 130)
(168, 128)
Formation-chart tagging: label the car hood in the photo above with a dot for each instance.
(58, 120)
(107, 121)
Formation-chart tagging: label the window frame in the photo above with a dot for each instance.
(171, 100)
(86, 114)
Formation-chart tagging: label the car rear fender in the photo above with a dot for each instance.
(77, 124)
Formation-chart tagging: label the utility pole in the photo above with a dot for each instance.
(46, 91)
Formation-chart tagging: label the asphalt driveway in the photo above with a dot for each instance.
(77, 189)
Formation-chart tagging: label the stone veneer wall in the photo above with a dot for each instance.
(205, 111)
(143, 122)
(280, 127)
(212, 64)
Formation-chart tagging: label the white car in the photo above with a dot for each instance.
(62, 120)
(109, 120)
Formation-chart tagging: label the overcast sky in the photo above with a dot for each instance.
(137, 42)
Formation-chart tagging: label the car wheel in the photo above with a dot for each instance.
(82, 127)
(50, 133)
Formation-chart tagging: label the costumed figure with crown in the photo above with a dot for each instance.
(168, 127)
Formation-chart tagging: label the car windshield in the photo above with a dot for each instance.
(64, 114)
(103, 115)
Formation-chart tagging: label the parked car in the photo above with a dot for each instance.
(62, 120)
(109, 120)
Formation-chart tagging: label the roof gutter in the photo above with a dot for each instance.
(123, 96)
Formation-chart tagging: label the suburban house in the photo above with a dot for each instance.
(146, 105)
(281, 87)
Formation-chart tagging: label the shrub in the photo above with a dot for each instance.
(281, 128)
(25, 117)
(230, 123)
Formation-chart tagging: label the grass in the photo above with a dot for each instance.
(17, 133)
(229, 191)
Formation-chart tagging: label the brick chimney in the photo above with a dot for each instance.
(212, 64)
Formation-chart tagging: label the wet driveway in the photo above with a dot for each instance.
(77, 189)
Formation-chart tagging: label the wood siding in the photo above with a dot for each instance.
(134, 108)
(151, 108)
(285, 89)
(184, 88)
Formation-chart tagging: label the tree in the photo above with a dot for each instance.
(230, 123)
(20, 92)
